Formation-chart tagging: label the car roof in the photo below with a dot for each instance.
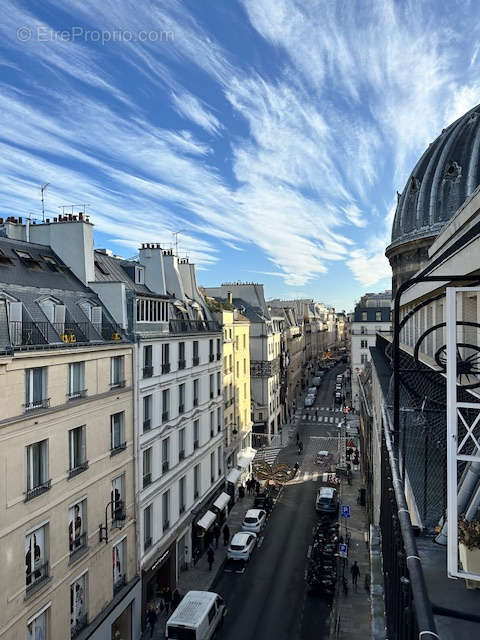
(241, 537)
(326, 492)
(253, 513)
(193, 608)
(322, 453)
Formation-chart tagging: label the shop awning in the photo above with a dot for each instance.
(222, 501)
(207, 520)
(245, 457)
(234, 475)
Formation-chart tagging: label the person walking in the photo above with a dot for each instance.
(210, 557)
(216, 534)
(298, 437)
(151, 619)
(167, 596)
(226, 535)
(355, 571)
(176, 599)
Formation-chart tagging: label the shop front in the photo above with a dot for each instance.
(233, 478)
(204, 518)
(220, 507)
(158, 576)
(244, 462)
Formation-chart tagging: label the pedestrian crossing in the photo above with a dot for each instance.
(325, 419)
(269, 454)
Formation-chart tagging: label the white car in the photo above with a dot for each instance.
(309, 400)
(311, 390)
(254, 520)
(241, 546)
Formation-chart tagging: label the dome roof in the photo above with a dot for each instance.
(446, 174)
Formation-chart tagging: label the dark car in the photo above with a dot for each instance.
(327, 501)
(263, 501)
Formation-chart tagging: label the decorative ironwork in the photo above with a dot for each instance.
(278, 473)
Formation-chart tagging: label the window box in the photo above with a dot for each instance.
(165, 466)
(181, 408)
(78, 469)
(38, 490)
(181, 455)
(38, 576)
(195, 444)
(164, 416)
(211, 357)
(182, 364)
(147, 543)
(37, 404)
(166, 368)
(79, 546)
(77, 394)
(146, 424)
(118, 449)
(147, 479)
(196, 361)
(147, 372)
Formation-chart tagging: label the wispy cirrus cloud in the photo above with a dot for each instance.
(187, 105)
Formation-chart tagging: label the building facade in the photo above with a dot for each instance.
(67, 513)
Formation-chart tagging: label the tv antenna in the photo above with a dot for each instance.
(175, 235)
(42, 191)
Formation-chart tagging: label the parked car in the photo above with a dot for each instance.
(312, 390)
(317, 381)
(339, 377)
(263, 501)
(309, 400)
(241, 546)
(322, 458)
(338, 397)
(198, 616)
(338, 387)
(254, 520)
(327, 501)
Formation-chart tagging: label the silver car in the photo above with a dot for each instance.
(241, 546)
(254, 520)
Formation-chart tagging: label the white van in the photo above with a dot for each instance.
(197, 617)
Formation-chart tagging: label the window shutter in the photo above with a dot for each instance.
(59, 318)
(86, 307)
(48, 308)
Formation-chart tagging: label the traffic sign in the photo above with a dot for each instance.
(342, 550)
(345, 511)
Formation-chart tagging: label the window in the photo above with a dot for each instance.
(236, 343)
(147, 527)
(118, 565)
(36, 388)
(77, 527)
(93, 313)
(195, 392)
(196, 434)
(37, 629)
(363, 330)
(244, 390)
(230, 365)
(37, 469)
(378, 316)
(238, 368)
(219, 383)
(147, 361)
(118, 499)
(364, 316)
(36, 565)
(212, 384)
(76, 380)
(181, 398)
(196, 359)
(363, 344)
(165, 404)
(147, 467)
(165, 357)
(212, 467)
(219, 419)
(101, 268)
(219, 456)
(244, 341)
(116, 372)
(210, 350)
(181, 494)
(117, 432)
(165, 454)
(244, 366)
(151, 310)
(78, 605)
(166, 510)
(230, 334)
(225, 364)
(212, 424)
(196, 481)
(147, 413)
(77, 449)
(363, 358)
(181, 355)
(219, 349)
(181, 444)
(139, 275)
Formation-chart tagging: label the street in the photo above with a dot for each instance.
(270, 599)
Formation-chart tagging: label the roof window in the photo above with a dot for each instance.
(53, 264)
(101, 268)
(4, 259)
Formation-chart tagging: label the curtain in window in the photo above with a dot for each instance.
(75, 525)
(77, 601)
(34, 555)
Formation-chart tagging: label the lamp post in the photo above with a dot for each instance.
(118, 515)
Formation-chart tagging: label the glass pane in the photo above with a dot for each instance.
(37, 384)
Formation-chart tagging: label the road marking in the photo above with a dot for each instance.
(309, 551)
(260, 542)
(331, 419)
(305, 574)
(315, 476)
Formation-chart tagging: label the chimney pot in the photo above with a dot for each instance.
(55, 219)
(20, 220)
(70, 217)
(80, 215)
(1, 220)
(47, 220)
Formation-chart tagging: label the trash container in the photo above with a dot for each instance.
(362, 496)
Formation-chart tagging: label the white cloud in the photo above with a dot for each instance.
(187, 105)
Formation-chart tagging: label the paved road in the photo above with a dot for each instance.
(270, 599)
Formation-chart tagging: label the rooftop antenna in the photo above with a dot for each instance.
(42, 190)
(175, 235)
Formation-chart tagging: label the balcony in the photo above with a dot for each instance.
(166, 367)
(147, 543)
(37, 404)
(147, 479)
(77, 394)
(182, 364)
(37, 577)
(181, 455)
(80, 624)
(118, 513)
(192, 326)
(83, 466)
(164, 416)
(181, 408)
(120, 582)
(165, 466)
(147, 424)
(78, 546)
(211, 357)
(147, 371)
(195, 361)
(219, 356)
(38, 490)
(118, 448)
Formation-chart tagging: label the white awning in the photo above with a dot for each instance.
(245, 457)
(234, 475)
(222, 501)
(207, 520)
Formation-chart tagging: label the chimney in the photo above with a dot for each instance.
(13, 229)
(229, 297)
(151, 257)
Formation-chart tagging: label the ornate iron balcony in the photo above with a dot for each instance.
(38, 490)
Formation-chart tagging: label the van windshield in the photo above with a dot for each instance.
(180, 633)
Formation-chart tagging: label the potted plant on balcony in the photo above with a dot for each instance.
(469, 547)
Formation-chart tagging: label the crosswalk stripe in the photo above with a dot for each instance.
(331, 419)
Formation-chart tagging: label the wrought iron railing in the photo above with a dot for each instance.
(80, 623)
(24, 334)
(37, 404)
(78, 544)
(37, 576)
(193, 326)
(38, 490)
(83, 466)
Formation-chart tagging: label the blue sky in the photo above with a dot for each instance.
(273, 133)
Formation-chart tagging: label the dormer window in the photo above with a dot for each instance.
(55, 312)
(93, 313)
(4, 259)
(53, 264)
(139, 275)
(27, 258)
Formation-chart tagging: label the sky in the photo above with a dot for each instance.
(272, 135)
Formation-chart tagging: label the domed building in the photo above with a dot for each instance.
(446, 174)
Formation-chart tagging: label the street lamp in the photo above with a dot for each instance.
(118, 515)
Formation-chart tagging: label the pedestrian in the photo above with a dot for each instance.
(257, 487)
(355, 571)
(176, 599)
(151, 619)
(210, 557)
(216, 533)
(226, 535)
(168, 599)
(241, 491)
(249, 485)
(298, 437)
(316, 414)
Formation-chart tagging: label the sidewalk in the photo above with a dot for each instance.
(198, 577)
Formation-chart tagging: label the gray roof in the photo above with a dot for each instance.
(114, 269)
(446, 174)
